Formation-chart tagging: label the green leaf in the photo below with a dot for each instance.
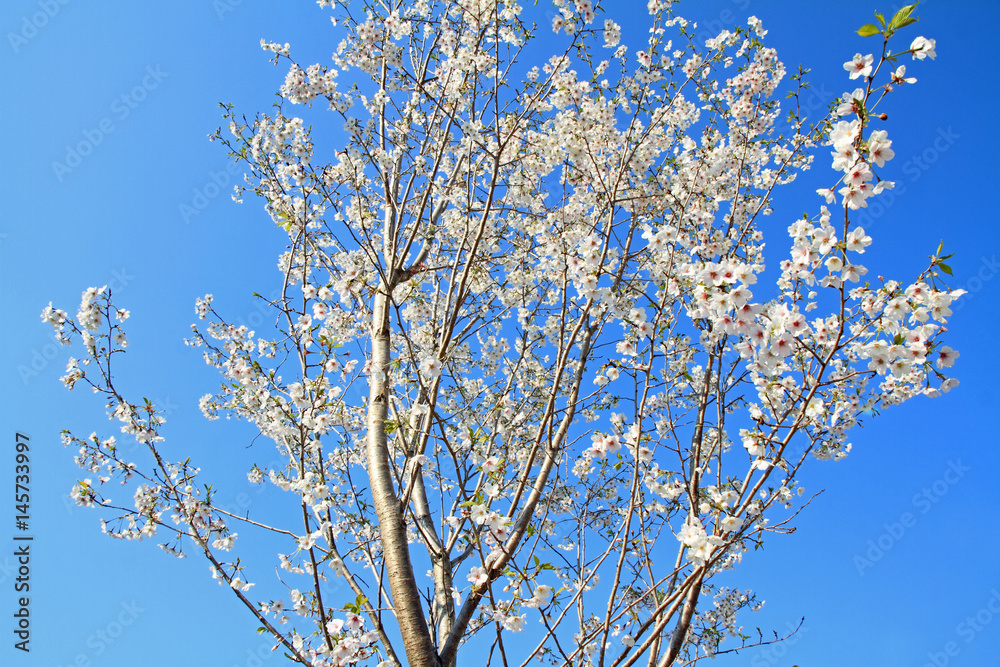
(902, 17)
(881, 19)
(867, 30)
(286, 223)
(944, 267)
(940, 247)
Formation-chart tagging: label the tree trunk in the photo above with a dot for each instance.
(407, 608)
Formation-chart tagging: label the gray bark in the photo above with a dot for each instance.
(407, 607)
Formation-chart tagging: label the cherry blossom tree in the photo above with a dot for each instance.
(517, 345)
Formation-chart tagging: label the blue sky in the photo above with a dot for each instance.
(887, 565)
